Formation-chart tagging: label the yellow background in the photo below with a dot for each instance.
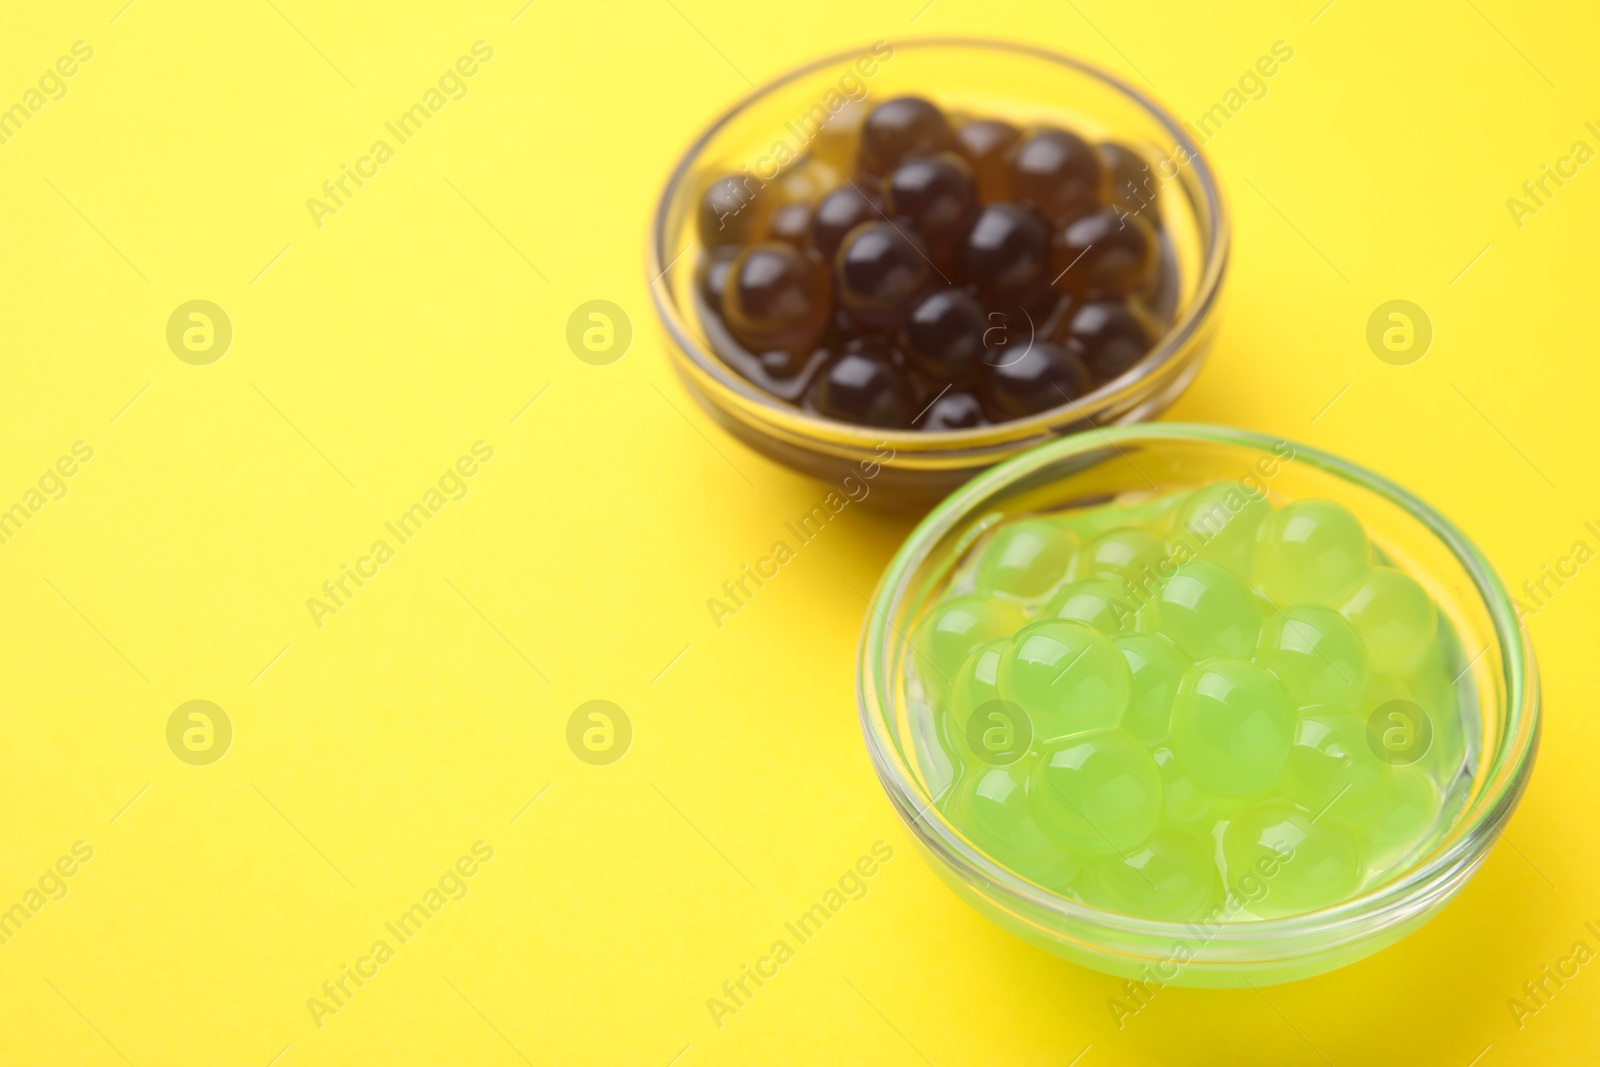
(369, 354)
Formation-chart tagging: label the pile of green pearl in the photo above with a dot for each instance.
(1196, 705)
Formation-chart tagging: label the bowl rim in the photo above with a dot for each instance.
(1178, 339)
(1500, 780)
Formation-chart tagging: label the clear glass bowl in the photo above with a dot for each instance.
(1500, 717)
(1023, 85)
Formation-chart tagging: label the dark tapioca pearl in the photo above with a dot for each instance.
(1042, 376)
(986, 145)
(900, 128)
(881, 268)
(791, 224)
(1058, 174)
(728, 211)
(839, 212)
(1106, 252)
(935, 194)
(1133, 183)
(712, 275)
(943, 335)
(777, 297)
(1114, 335)
(1006, 251)
(953, 411)
(865, 387)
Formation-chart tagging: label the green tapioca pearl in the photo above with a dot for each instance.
(1395, 617)
(1067, 676)
(1125, 553)
(1185, 802)
(977, 682)
(1208, 610)
(947, 635)
(1170, 875)
(1096, 794)
(1232, 726)
(1219, 522)
(1156, 667)
(1315, 653)
(1332, 770)
(1024, 559)
(1103, 603)
(1309, 552)
(1406, 820)
(1304, 865)
(991, 807)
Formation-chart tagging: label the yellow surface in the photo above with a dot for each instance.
(371, 753)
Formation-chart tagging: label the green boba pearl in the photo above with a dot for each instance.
(1219, 522)
(1185, 802)
(1309, 552)
(947, 635)
(1096, 794)
(1232, 726)
(1208, 611)
(991, 808)
(1405, 822)
(1395, 617)
(977, 682)
(1025, 559)
(1315, 653)
(1333, 771)
(1103, 603)
(1126, 553)
(1156, 666)
(1170, 875)
(1067, 676)
(1304, 865)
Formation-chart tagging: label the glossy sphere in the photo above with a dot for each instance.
(729, 211)
(1332, 771)
(977, 683)
(993, 805)
(1156, 667)
(881, 268)
(774, 297)
(1042, 376)
(986, 146)
(1220, 521)
(712, 276)
(1169, 875)
(1057, 173)
(935, 194)
(1208, 611)
(1106, 253)
(837, 213)
(1123, 552)
(1024, 559)
(1103, 603)
(900, 128)
(1113, 334)
(1315, 653)
(791, 224)
(1305, 865)
(1232, 726)
(1133, 183)
(954, 411)
(956, 627)
(1394, 616)
(1097, 794)
(1310, 552)
(1006, 252)
(943, 335)
(864, 387)
(1066, 676)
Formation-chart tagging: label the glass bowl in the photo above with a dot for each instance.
(1017, 82)
(1499, 718)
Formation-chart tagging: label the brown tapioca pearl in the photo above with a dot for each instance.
(863, 386)
(943, 335)
(986, 145)
(711, 274)
(1042, 376)
(953, 411)
(1133, 183)
(791, 224)
(1006, 252)
(881, 268)
(839, 212)
(730, 210)
(1113, 335)
(900, 128)
(935, 194)
(1106, 252)
(777, 297)
(1058, 174)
